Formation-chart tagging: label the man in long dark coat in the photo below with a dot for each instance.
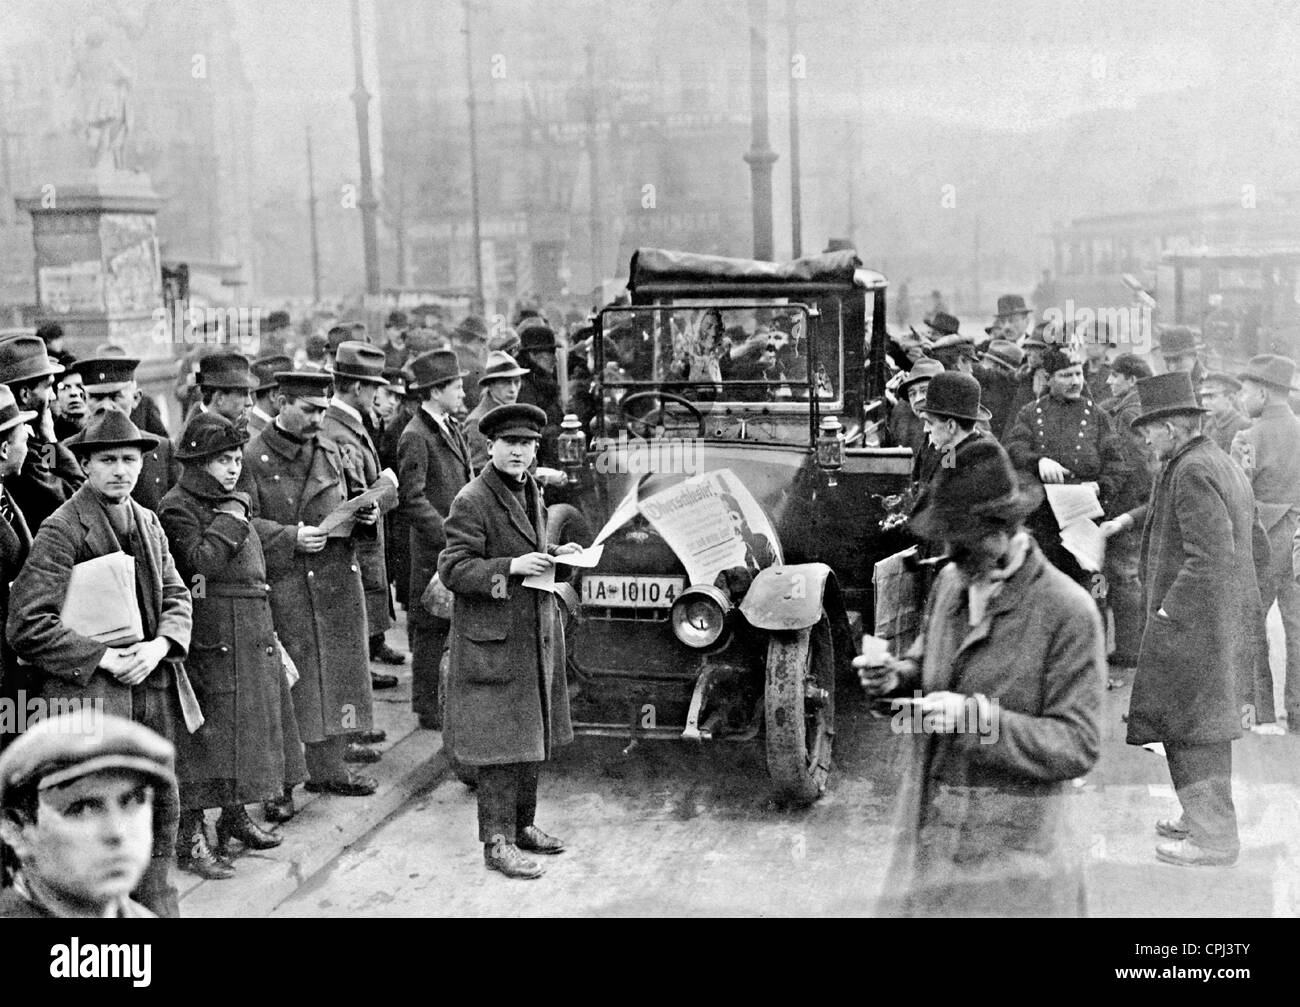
(15, 537)
(1202, 604)
(294, 479)
(432, 466)
(507, 698)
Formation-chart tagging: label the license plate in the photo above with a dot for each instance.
(631, 592)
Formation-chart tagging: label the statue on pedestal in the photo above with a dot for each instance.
(101, 88)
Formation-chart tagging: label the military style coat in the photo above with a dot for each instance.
(317, 600)
(432, 467)
(983, 826)
(362, 459)
(1201, 599)
(1077, 434)
(507, 697)
(238, 755)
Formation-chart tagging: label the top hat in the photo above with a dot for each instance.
(536, 338)
(1177, 340)
(207, 434)
(924, 369)
(360, 361)
(437, 367)
(264, 370)
(105, 375)
(57, 750)
(1011, 304)
(311, 387)
(944, 324)
(500, 365)
(1270, 369)
(953, 395)
(1214, 377)
(225, 370)
(1004, 353)
(24, 358)
(110, 429)
(516, 420)
(980, 483)
(1166, 395)
(10, 414)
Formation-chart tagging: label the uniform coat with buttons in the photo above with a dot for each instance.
(362, 458)
(239, 753)
(507, 697)
(317, 599)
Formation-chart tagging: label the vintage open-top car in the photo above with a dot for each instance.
(733, 486)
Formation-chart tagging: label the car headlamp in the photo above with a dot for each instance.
(699, 615)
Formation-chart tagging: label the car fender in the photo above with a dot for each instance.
(787, 597)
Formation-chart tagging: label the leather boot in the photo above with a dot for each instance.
(234, 823)
(193, 853)
(505, 857)
(281, 809)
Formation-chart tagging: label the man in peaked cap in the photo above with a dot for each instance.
(1218, 392)
(358, 375)
(264, 407)
(500, 383)
(143, 680)
(80, 797)
(226, 385)
(109, 383)
(1202, 604)
(294, 478)
(1269, 453)
(50, 474)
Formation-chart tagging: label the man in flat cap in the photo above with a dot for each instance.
(263, 370)
(80, 802)
(294, 479)
(1218, 393)
(50, 474)
(226, 386)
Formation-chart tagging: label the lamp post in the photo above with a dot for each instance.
(760, 155)
(367, 203)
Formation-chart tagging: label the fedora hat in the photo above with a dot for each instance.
(24, 358)
(501, 365)
(980, 483)
(436, 367)
(953, 395)
(925, 369)
(1011, 304)
(517, 420)
(944, 324)
(225, 370)
(312, 387)
(1004, 354)
(105, 375)
(1218, 378)
(264, 370)
(1166, 395)
(360, 361)
(110, 429)
(1177, 340)
(208, 434)
(1270, 369)
(10, 414)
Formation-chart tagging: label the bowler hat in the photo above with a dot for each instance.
(1270, 369)
(1177, 340)
(979, 483)
(24, 358)
(1004, 353)
(311, 387)
(500, 365)
(264, 370)
(536, 338)
(105, 375)
(517, 420)
(1166, 395)
(110, 429)
(360, 361)
(1218, 377)
(944, 324)
(924, 369)
(437, 367)
(209, 433)
(10, 414)
(1011, 304)
(58, 750)
(225, 370)
(953, 395)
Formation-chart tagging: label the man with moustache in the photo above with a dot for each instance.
(500, 383)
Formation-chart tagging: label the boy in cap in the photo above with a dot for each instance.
(80, 797)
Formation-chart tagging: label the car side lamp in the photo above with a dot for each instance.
(572, 446)
(830, 449)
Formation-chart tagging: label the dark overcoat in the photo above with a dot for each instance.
(49, 476)
(432, 468)
(238, 755)
(317, 600)
(1275, 479)
(983, 826)
(507, 697)
(397, 530)
(1201, 600)
(158, 474)
(15, 541)
(362, 459)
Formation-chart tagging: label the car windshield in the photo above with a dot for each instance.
(763, 353)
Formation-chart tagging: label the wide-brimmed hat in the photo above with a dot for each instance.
(264, 369)
(225, 370)
(358, 361)
(436, 367)
(312, 387)
(110, 429)
(979, 483)
(519, 419)
(1166, 395)
(207, 434)
(1177, 340)
(1011, 304)
(10, 414)
(925, 369)
(944, 324)
(24, 358)
(500, 365)
(1270, 369)
(105, 375)
(953, 395)
(1219, 378)
(1005, 354)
